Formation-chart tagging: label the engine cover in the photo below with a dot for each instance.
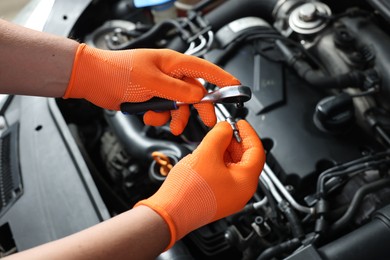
(281, 110)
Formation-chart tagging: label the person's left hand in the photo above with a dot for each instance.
(109, 78)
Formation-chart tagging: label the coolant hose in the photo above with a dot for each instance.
(349, 79)
(317, 78)
(233, 9)
(129, 130)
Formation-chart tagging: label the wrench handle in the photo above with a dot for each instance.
(156, 104)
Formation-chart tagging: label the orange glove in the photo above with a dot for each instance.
(216, 180)
(109, 78)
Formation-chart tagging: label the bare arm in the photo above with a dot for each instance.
(34, 63)
(139, 233)
(41, 64)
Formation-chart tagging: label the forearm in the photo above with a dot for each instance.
(34, 63)
(136, 234)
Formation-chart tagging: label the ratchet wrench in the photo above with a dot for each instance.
(230, 94)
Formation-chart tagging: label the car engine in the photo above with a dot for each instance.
(320, 104)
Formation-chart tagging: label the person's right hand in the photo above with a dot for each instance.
(109, 78)
(216, 180)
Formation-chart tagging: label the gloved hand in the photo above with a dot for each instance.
(109, 78)
(216, 180)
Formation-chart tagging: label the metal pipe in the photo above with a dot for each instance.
(270, 186)
(268, 171)
(260, 203)
(196, 49)
(209, 43)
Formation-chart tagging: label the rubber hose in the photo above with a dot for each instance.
(232, 10)
(295, 224)
(284, 247)
(350, 79)
(356, 201)
(129, 130)
(316, 78)
(271, 201)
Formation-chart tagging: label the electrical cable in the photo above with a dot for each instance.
(351, 171)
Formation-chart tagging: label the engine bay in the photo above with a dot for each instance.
(320, 104)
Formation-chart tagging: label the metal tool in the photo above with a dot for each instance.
(236, 132)
(223, 114)
(230, 94)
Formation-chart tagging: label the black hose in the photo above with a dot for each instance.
(129, 130)
(272, 203)
(203, 4)
(238, 43)
(232, 10)
(316, 77)
(279, 229)
(356, 202)
(279, 249)
(293, 220)
(229, 11)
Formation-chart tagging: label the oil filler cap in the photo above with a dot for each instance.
(335, 114)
